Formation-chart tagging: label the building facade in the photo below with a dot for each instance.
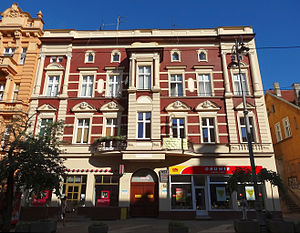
(19, 48)
(283, 108)
(153, 119)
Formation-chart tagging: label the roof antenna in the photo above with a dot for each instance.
(119, 21)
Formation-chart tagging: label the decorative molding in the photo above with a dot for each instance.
(54, 66)
(207, 106)
(240, 107)
(112, 107)
(144, 100)
(87, 68)
(83, 107)
(177, 106)
(202, 67)
(175, 67)
(114, 68)
(46, 108)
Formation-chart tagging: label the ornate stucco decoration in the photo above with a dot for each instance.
(46, 108)
(54, 66)
(207, 106)
(144, 100)
(240, 107)
(112, 107)
(83, 107)
(177, 106)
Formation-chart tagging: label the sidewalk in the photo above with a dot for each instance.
(149, 225)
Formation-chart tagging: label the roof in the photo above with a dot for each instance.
(288, 95)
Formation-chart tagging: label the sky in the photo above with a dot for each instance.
(275, 22)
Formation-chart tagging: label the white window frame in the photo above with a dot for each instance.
(47, 121)
(144, 121)
(239, 92)
(278, 133)
(52, 73)
(178, 127)
(86, 56)
(208, 129)
(2, 89)
(112, 56)
(198, 55)
(179, 55)
(56, 80)
(176, 82)
(82, 132)
(9, 51)
(255, 131)
(43, 115)
(115, 93)
(82, 75)
(210, 83)
(286, 127)
(23, 56)
(142, 64)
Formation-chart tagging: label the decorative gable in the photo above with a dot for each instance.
(54, 66)
(177, 106)
(112, 107)
(83, 107)
(207, 106)
(240, 107)
(46, 108)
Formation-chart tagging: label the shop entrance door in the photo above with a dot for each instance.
(200, 200)
(144, 197)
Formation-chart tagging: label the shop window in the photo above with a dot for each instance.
(74, 188)
(246, 191)
(199, 180)
(220, 196)
(180, 178)
(182, 196)
(106, 190)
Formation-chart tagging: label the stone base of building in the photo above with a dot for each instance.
(37, 213)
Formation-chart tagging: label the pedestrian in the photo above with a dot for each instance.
(63, 209)
(244, 205)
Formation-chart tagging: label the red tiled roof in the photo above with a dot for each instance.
(286, 94)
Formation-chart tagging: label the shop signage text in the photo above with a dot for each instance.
(164, 176)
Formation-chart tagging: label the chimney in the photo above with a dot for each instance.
(296, 88)
(277, 89)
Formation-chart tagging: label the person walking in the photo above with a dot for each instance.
(63, 209)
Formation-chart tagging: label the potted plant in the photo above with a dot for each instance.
(98, 227)
(178, 227)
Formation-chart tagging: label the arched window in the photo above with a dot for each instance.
(89, 57)
(202, 55)
(115, 56)
(175, 55)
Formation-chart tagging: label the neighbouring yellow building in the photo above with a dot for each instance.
(283, 108)
(19, 54)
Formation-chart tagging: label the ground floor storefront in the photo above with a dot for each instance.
(174, 188)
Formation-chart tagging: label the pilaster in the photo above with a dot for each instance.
(37, 86)
(225, 74)
(66, 78)
(257, 85)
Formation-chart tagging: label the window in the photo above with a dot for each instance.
(144, 77)
(181, 192)
(52, 85)
(87, 86)
(115, 56)
(208, 130)
(107, 186)
(111, 127)
(286, 127)
(278, 132)
(220, 194)
(44, 123)
(114, 85)
(204, 85)
(244, 130)
(247, 191)
(237, 84)
(202, 56)
(273, 108)
(9, 52)
(83, 126)
(144, 125)
(176, 85)
(89, 57)
(296, 124)
(175, 56)
(56, 59)
(16, 92)
(74, 188)
(2, 88)
(178, 128)
(23, 56)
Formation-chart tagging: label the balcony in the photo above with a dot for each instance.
(8, 108)
(109, 143)
(8, 65)
(177, 144)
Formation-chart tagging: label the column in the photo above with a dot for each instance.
(226, 77)
(39, 75)
(7, 88)
(257, 88)
(66, 78)
(132, 72)
(156, 70)
(89, 190)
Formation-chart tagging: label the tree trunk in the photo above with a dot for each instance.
(8, 202)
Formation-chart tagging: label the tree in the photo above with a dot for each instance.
(30, 162)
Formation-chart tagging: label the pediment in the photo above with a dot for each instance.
(144, 100)
(83, 107)
(207, 106)
(46, 108)
(177, 106)
(112, 107)
(54, 66)
(15, 12)
(240, 107)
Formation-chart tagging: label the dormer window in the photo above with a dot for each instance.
(115, 56)
(175, 56)
(89, 57)
(202, 55)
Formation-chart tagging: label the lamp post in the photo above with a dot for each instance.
(237, 50)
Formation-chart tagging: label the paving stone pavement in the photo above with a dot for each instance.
(149, 225)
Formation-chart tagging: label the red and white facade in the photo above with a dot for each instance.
(171, 93)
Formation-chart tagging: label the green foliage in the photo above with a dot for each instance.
(34, 159)
(243, 175)
(110, 138)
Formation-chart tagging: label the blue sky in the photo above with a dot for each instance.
(275, 22)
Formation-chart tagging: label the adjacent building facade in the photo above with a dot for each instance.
(19, 49)
(153, 119)
(283, 108)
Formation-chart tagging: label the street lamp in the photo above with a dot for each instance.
(237, 50)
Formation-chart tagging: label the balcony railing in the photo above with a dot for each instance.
(177, 144)
(13, 107)
(110, 143)
(8, 65)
